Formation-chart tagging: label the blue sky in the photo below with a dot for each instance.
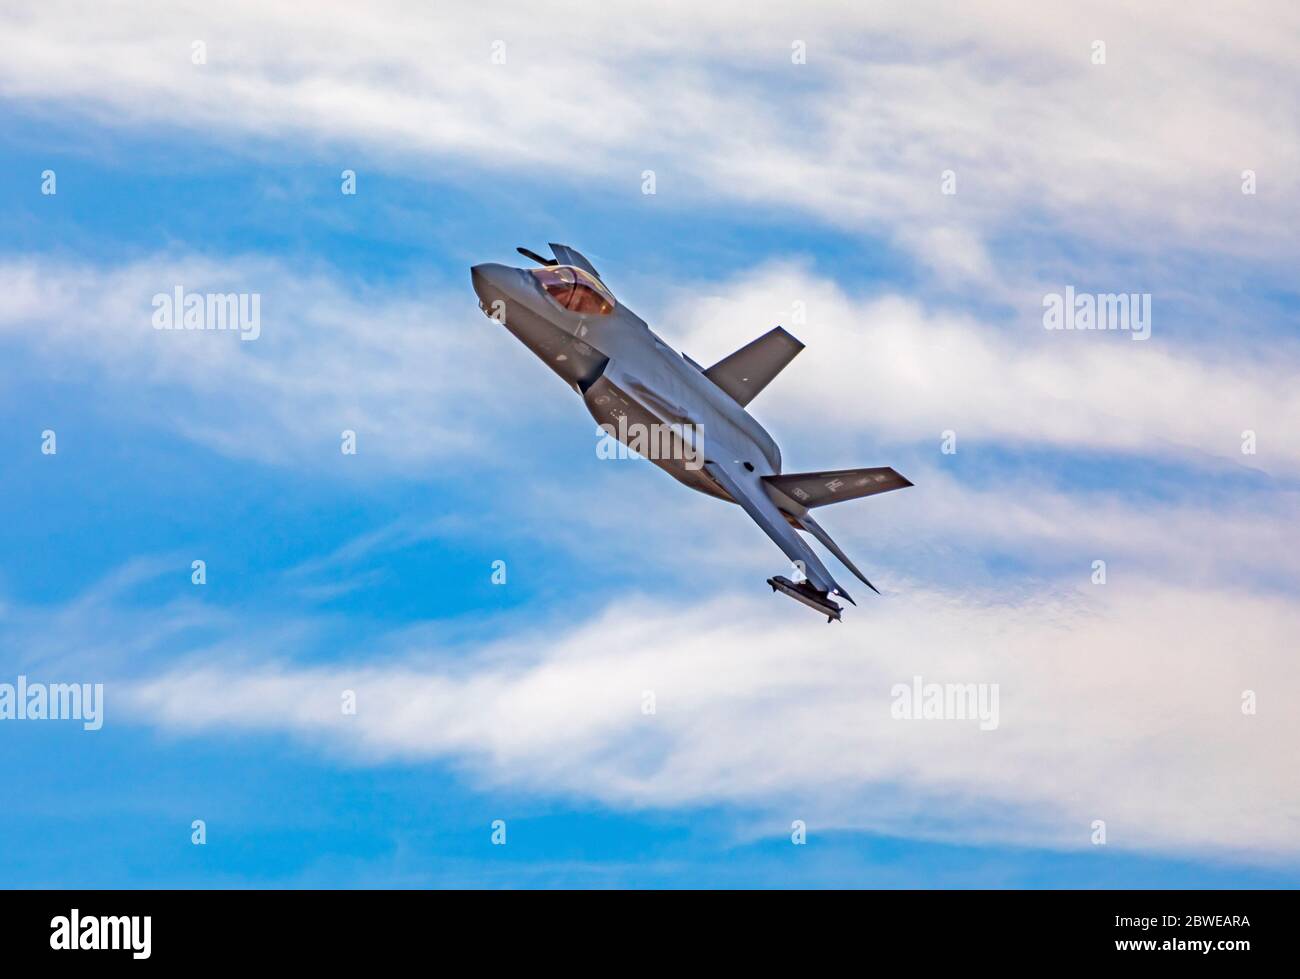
(806, 195)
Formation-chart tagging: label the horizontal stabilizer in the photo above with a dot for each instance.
(819, 489)
(746, 372)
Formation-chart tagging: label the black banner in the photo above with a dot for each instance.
(169, 929)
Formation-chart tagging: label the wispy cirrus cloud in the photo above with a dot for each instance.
(891, 366)
(394, 363)
(1122, 703)
(1011, 100)
(390, 363)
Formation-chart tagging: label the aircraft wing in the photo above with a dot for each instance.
(751, 368)
(748, 491)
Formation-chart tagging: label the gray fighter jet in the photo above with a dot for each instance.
(688, 420)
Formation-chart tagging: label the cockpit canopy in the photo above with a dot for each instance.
(575, 289)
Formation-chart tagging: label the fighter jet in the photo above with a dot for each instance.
(633, 383)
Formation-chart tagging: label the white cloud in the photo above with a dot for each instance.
(889, 366)
(1143, 152)
(421, 374)
(1121, 703)
(403, 368)
(943, 532)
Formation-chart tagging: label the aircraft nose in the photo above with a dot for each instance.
(489, 280)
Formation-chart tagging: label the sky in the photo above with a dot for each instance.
(903, 187)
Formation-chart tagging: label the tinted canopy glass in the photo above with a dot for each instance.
(576, 290)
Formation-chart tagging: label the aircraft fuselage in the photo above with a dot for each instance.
(628, 376)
